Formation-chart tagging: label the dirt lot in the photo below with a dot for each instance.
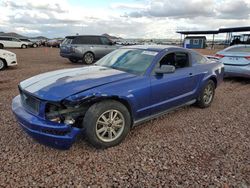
(190, 147)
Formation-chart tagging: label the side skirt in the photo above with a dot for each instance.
(140, 121)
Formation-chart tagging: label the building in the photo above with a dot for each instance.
(227, 31)
(195, 42)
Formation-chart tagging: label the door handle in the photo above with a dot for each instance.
(190, 74)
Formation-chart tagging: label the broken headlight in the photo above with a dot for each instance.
(64, 114)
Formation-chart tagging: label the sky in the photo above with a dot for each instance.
(123, 18)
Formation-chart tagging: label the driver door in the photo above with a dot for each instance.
(172, 89)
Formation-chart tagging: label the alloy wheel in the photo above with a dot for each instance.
(208, 94)
(110, 125)
(1, 64)
(88, 58)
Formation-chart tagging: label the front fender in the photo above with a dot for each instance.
(90, 98)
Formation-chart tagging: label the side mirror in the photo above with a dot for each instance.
(165, 69)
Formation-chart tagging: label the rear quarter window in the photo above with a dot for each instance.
(67, 41)
(199, 58)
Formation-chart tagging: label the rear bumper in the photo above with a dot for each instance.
(237, 71)
(57, 135)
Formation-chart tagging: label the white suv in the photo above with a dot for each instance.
(12, 42)
(7, 58)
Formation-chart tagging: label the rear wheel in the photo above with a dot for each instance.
(207, 95)
(24, 46)
(35, 45)
(107, 123)
(2, 64)
(1, 46)
(88, 58)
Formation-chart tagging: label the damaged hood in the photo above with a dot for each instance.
(57, 85)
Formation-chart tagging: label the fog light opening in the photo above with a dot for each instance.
(56, 119)
(69, 121)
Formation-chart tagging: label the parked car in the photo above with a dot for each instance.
(53, 43)
(36, 42)
(236, 60)
(30, 43)
(86, 48)
(43, 42)
(125, 88)
(12, 42)
(7, 59)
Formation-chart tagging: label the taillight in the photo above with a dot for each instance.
(219, 56)
(248, 58)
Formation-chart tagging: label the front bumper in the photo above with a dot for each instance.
(57, 135)
(237, 71)
(11, 60)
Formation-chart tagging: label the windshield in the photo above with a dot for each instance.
(133, 61)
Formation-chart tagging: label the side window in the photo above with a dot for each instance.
(200, 59)
(5, 38)
(95, 40)
(79, 40)
(177, 59)
(105, 41)
(15, 40)
(86, 40)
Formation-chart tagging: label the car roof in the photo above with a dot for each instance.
(157, 48)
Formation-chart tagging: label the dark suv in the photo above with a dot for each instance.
(86, 48)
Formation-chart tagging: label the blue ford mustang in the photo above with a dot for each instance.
(124, 88)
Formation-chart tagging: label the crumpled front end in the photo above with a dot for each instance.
(55, 134)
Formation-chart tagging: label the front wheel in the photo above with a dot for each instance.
(35, 45)
(88, 58)
(107, 123)
(2, 64)
(1, 46)
(24, 46)
(207, 95)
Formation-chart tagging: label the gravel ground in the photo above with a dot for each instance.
(189, 147)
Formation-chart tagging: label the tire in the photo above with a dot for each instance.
(1, 46)
(100, 132)
(88, 58)
(35, 45)
(207, 95)
(73, 60)
(2, 65)
(24, 46)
